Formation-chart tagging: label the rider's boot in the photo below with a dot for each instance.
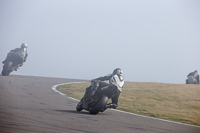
(14, 69)
(110, 105)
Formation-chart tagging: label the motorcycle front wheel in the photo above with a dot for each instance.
(79, 106)
(7, 68)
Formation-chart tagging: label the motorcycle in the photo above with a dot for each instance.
(97, 102)
(11, 63)
(191, 80)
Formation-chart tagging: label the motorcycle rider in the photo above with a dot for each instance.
(116, 84)
(22, 52)
(193, 78)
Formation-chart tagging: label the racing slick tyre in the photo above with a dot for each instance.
(79, 107)
(6, 68)
(99, 106)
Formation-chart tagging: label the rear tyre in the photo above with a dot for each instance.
(99, 106)
(6, 68)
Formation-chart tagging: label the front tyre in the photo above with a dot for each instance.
(79, 107)
(7, 68)
(99, 106)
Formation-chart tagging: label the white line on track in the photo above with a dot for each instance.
(55, 89)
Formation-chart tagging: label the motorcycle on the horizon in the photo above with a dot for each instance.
(191, 80)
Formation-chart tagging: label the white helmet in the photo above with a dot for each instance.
(24, 45)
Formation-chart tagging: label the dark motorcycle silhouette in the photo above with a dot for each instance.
(13, 62)
(191, 80)
(96, 103)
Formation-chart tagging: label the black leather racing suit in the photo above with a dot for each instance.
(115, 82)
(23, 54)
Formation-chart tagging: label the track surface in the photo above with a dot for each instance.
(29, 105)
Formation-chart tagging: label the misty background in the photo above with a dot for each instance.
(151, 41)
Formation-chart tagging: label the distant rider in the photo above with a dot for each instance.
(22, 52)
(116, 83)
(193, 78)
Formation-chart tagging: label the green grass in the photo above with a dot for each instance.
(175, 102)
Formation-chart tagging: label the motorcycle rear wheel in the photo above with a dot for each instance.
(7, 68)
(99, 106)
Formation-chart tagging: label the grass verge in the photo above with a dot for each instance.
(174, 102)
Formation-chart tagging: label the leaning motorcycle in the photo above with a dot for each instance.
(191, 80)
(96, 103)
(11, 63)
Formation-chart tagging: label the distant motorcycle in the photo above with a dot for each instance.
(13, 62)
(96, 103)
(191, 80)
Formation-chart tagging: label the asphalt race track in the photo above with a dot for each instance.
(29, 105)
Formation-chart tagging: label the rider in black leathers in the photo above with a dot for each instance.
(22, 52)
(116, 83)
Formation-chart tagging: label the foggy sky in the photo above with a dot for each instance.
(151, 41)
